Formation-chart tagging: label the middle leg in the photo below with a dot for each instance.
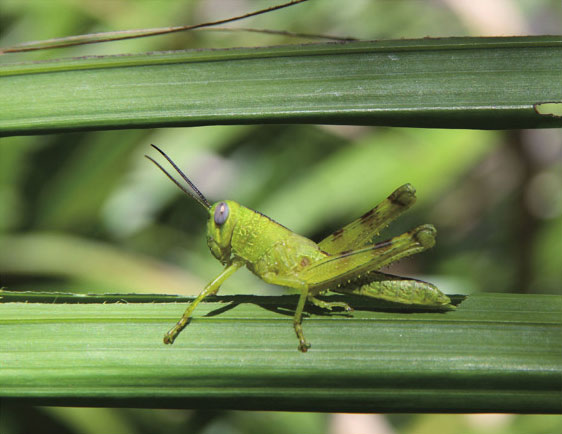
(329, 305)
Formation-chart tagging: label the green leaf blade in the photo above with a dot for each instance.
(496, 353)
(489, 83)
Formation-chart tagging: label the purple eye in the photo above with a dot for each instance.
(221, 213)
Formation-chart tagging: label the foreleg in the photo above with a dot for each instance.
(210, 289)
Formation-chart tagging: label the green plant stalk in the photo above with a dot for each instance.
(495, 353)
(490, 83)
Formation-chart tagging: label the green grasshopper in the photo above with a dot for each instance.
(344, 262)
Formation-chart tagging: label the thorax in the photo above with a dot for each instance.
(267, 246)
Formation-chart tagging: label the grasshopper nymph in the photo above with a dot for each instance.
(345, 262)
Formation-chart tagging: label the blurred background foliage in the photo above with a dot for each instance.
(85, 212)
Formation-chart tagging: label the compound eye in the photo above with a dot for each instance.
(221, 213)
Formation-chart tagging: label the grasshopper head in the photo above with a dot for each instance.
(220, 225)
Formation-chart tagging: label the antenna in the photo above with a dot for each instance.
(198, 196)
